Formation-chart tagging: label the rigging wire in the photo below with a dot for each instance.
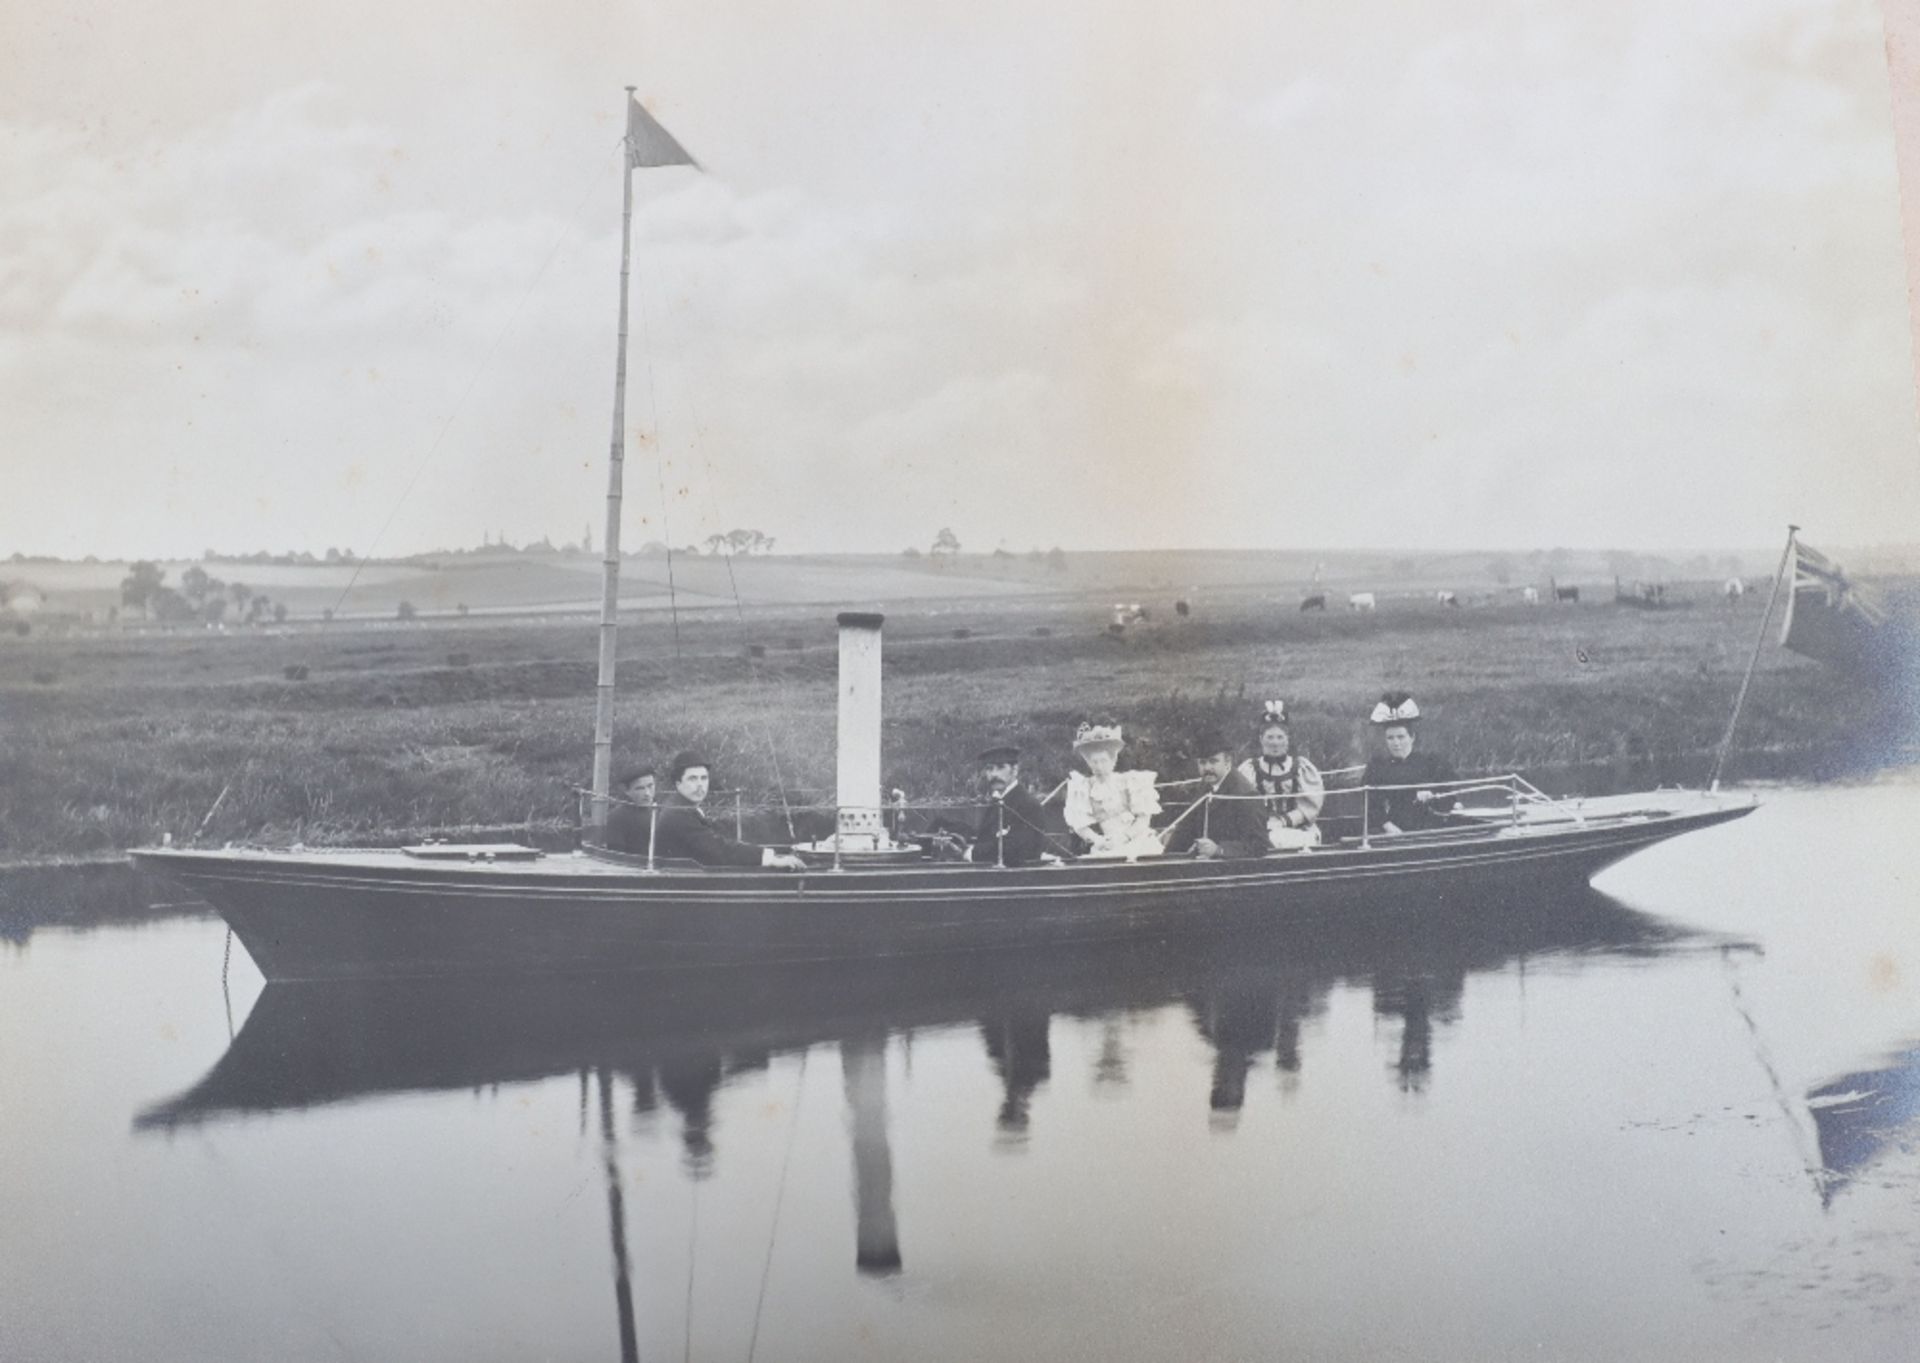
(486, 361)
(693, 1247)
(252, 748)
(659, 461)
(740, 617)
(779, 1196)
(1815, 1170)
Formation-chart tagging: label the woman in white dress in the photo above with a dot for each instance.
(1111, 811)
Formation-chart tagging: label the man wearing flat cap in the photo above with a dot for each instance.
(1012, 828)
(1229, 819)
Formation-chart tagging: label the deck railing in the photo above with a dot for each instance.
(1519, 795)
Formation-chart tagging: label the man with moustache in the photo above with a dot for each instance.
(1012, 829)
(1229, 819)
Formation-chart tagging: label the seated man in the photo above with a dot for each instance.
(1229, 819)
(1012, 831)
(630, 823)
(1409, 804)
(683, 829)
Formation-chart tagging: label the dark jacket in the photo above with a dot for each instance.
(1017, 817)
(1239, 826)
(1399, 807)
(630, 829)
(684, 831)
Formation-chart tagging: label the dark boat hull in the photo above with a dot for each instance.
(361, 915)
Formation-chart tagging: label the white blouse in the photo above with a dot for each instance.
(1114, 814)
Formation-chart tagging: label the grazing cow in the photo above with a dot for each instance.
(1735, 589)
(1530, 595)
(1447, 598)
(1563, 593)
(1360, 601)
(1315, 602)
(1181, 607)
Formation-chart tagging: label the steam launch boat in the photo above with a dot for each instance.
(864, 892)
(448, 909)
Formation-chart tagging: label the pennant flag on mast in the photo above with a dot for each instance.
(649, 144)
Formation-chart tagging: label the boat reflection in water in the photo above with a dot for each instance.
(677, 1039)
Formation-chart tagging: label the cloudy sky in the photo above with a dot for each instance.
(1330, 273)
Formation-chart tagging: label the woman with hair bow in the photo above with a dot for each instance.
(1111, 811)
(1409, 793)
(1291, 784)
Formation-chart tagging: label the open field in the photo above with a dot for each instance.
(499, 582)
(113, 740)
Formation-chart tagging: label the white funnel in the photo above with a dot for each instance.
(857, 790)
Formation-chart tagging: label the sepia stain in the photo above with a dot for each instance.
(168, 1032)
(1883, 974)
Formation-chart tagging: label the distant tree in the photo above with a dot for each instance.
(1501, 568)
(716, 542)
(326, 613)
(1002, 553)
(946, 542)
(257, 608)
(195, 584)
(214, 609)
(1057, 559)
(462, 609)
(333, 554)
(169, 607)
(279, 612)
(910, 552)
(241, 594)
(405, 611)
(742, 541)
(138, 587)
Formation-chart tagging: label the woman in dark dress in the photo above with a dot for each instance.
(1416, 805)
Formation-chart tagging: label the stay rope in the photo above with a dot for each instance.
(779, 1197)
(420, 465)
(473, 381)
(740, 619)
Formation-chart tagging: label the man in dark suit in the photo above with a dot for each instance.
(1012, 829)
(1228, 820)
(683, 829)
(630, 824)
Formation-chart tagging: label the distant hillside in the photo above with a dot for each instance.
(508, 582)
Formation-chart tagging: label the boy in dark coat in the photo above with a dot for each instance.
(684, 831)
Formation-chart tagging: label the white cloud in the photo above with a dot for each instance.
(1397, 247)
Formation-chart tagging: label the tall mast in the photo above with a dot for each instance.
(610, 574)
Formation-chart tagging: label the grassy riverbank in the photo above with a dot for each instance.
(364, 733)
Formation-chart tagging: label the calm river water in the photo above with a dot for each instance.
(1676, 1119)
